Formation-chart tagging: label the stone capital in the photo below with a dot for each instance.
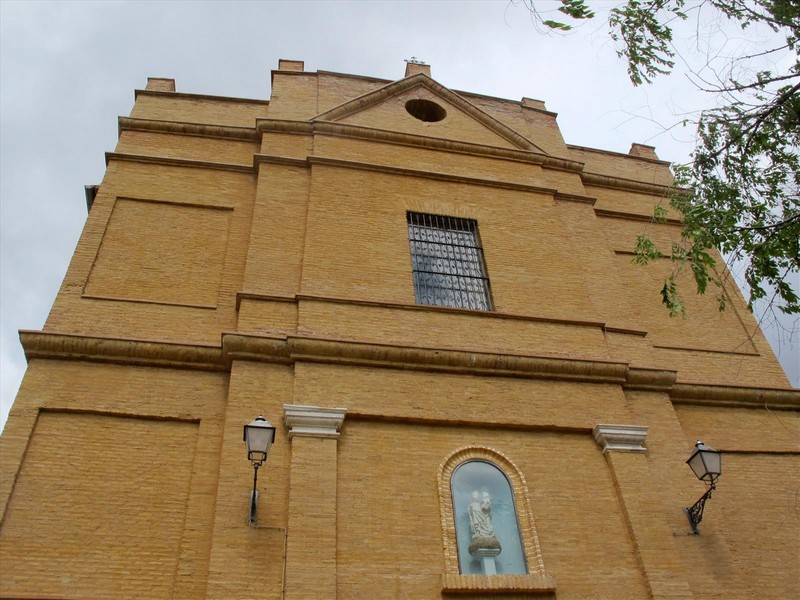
(622, 438)
(313, 421)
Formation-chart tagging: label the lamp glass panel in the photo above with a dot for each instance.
(259, 438)
(713, 462)
(696, 463)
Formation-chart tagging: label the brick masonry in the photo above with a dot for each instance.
(244, 255)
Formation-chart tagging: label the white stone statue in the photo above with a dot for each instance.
(480, 516)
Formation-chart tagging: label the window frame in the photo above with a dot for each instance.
(456, 276)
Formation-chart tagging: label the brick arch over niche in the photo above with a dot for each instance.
(453, 581)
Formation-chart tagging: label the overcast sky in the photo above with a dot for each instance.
(68, 70)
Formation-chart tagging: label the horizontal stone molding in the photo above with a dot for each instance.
(623, 155)
(292, 349)
(177, 162)
(225, 132)
(654, 380)
(256, 348)
(38, 344)
(417, 141)
(732, 396)
(628, 185)
(313, 421)
(194, 97)
(620, 438)
(453, 583)
(414, 140)
(259, 159)
(265, 125)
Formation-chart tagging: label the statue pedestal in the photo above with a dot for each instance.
(486, 556)
(485, 548)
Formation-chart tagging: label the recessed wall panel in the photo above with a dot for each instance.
(98, 508)
(161, 252)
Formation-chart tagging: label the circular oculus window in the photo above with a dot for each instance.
(425, 110)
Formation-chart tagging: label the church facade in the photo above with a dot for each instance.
(430, 295)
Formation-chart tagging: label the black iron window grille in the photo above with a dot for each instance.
(447, 262)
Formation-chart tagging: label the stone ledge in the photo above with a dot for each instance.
(735, 396)
(177, 162)
(225, 132)
(458, 361)
(630, 185)
(497, 584)
(360, 132)
(39, 344)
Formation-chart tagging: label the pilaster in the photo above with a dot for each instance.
(653, 541)
(311, 550)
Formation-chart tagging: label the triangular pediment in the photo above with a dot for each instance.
(385, 109)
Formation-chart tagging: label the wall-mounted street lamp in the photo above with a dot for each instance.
(707, 465)
(258, 435)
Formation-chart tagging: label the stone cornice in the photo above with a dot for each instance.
(290, 349)
(656, 161)
(305, 349)
(415, 141)
(256, 348)
(628, 185)
(649, 380)
(39, 344)
(177, 162)
(728, 395)
(188, 96)
(266, 125)
(195, 129)
(409, 139)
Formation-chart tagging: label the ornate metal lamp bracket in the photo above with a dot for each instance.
(695, 511)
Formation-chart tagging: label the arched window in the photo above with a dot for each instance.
(487, 530)
(490, 540)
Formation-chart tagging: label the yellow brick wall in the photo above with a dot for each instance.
(388, 528)
(207, 110)
(147, 143)
(195, 252)
(109, 478)
(98, 509)
(197, 302)
(171, 265)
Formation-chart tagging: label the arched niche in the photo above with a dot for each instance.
(481, 469)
